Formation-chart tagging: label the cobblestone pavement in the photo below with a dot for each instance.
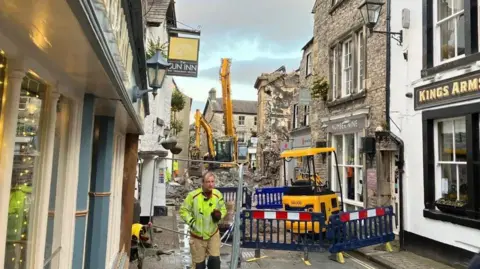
(180, 258)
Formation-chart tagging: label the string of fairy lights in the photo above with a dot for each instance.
(25, 153)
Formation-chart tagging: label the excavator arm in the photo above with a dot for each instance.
(200, 121)
(227, 105)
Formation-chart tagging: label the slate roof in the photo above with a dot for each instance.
(157, 10)
(239, 106)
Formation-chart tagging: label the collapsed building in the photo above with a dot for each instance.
(275, 97)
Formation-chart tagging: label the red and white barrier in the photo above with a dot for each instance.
(282, 215)
(362, 214)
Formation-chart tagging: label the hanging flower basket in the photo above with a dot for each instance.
(169, 143)
(176, 150)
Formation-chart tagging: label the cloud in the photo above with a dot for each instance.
(279, 25)
(246, 72)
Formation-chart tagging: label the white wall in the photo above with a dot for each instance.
(159, 107)
(405, 77)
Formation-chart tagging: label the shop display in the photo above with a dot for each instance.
(26, 155)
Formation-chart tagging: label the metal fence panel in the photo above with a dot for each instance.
(357, 229)
(282, 230)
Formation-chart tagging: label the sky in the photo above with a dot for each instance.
(258, 35)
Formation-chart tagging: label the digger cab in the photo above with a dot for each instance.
(307, 191)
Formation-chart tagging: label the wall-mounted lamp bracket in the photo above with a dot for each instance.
(397, 36)
(137, 93)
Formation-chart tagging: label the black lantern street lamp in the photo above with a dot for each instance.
(370, 10)
(156, 71)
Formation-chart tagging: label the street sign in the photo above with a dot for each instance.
(304, 97)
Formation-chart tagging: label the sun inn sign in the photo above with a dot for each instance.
(183, 55)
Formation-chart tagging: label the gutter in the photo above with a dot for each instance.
(84, 11)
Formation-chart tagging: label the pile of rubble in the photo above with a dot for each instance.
(178, 189)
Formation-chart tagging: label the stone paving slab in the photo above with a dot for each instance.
(400, 259)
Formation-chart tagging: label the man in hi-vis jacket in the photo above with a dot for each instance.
(202, 210)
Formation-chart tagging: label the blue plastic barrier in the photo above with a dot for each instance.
(282, 230)
(230, 194)
(269, 198)
(352, 230)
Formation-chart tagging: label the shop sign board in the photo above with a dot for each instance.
(448, 91)
(348, 125)
(304, 97)
(183, 55)
(302, 141)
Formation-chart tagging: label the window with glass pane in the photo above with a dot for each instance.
(450, 31)
(452, 162)
(347, 68)
(361, 61)
(3, 74)
(25, 165)
(350, 165)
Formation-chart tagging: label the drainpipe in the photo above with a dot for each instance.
(387, 71)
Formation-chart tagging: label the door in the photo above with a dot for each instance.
(395, 194)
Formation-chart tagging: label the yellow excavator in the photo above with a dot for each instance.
(219, 150)
(230, 132)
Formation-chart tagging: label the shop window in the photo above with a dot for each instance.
(451, 153)
(3, 75)
(24, 175)
(350, 167)
(451, 174)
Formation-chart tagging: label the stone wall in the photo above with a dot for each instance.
(333, 25)
(276, 91)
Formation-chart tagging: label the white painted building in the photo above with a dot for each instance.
(435, 101)
(153, 165)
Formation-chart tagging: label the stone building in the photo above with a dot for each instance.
(183, 138)
(353, 61)
(300, 131)
(275, 97)
(244, 114)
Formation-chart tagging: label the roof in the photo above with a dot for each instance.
(239, 106)
(157, 11)
(281, 71)
(305, 152)
(309, 43)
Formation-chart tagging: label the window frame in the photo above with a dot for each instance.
(255, 120)
(306, 114)
(472, 39)
(471, 113)
(241, 137)
(437, 33)
(295, 115)
(241, 120)
(361, 51)
(358, 167)
(308, 64)
(438, 162)
(356, 42)
(345, 69)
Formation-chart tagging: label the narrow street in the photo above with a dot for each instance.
(177, 244)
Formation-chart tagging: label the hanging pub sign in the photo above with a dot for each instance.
(183, 55)
(449, 91)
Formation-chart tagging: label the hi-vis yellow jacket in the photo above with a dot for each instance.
(196, 211)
